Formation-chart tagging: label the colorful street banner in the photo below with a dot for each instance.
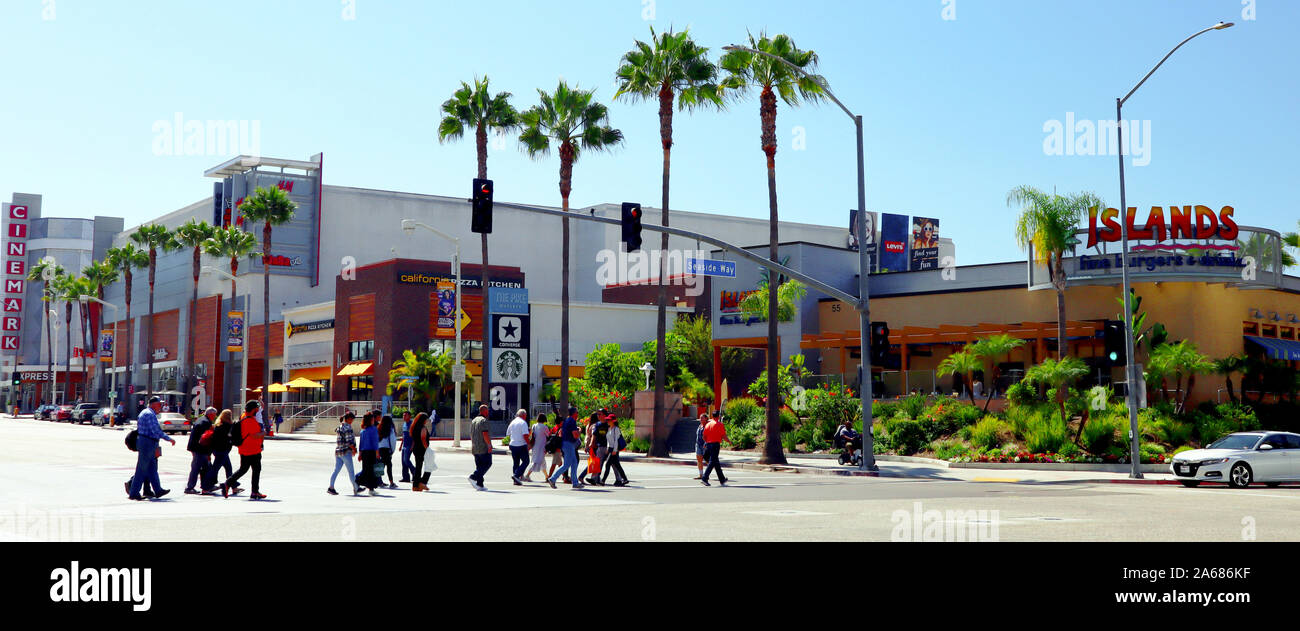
(925, 244)
(446, 308)
(235, 331)
(893, 243)
(106, 345)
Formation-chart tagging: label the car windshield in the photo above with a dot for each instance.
(1236, 441)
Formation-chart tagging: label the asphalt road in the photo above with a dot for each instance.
(64, 482)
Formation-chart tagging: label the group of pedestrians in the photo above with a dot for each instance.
(601, 438)
(378, 442)
(708, 445)
(210, 441)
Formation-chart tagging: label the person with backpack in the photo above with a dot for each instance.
(248, 436)
(540, 434)
(344, 449)
(407, 468)
(148, 434)
(219, 445)
(596, 449)
(369, 455)
(570, 438)
(614, 443)
(200, 451)
(419, 445)
(555, 447)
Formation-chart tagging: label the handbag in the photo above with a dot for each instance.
(430, 464)
(553, 443)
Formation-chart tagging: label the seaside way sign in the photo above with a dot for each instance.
(710, 267)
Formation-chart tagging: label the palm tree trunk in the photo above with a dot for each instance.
(148, 350)
(480, 138)
(566, 186)
(266, 319)
(659, 428)
(49, 340)
(1062, 343)
(128, 402)
(772, 451)
(189, 337)
(84, 311)
(67, 337)
(1232, 395)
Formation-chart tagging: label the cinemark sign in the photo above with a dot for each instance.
(15, 280)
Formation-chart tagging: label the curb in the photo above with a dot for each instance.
(749, 466)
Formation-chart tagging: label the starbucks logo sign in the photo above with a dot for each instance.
(509, 364)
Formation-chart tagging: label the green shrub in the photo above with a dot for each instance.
(1182, 449)
(883, 410)
(1150, 451)
(1210, 429)
(1117, 452)
(989, 433)
(639, 445)
(1045, 433)
(1069, 450)
(912, 405)
(817, 443)
(789, 440)
(1022, 393)
(743, 412)
(1100, 434)
(743, 437)
(906, 437)
(788, 420)
(1240, 416)
(946, 449)
(1019, 416)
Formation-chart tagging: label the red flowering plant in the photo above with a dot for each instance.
(588, 399)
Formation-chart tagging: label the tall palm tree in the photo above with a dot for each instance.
(774, 74)
(993, 348)
(83, 288)
(1260, 247)
(1058, 374)
(1182, 359)
(1228, 366)
(44, 272)
(572, 120)
(232, 243)
(98, 275)
(65, 291)
(193, 234)
(1047, 223)
(1292, 240)
(126, 259)
(477, 108)
(964, 363)
(152, 237)
(272, 207)
(672, 66)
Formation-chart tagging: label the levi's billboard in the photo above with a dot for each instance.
(1181, 222)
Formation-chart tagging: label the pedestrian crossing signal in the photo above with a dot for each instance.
(481, 222)
(632, 226)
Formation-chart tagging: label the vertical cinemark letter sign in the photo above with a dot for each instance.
(14, 278)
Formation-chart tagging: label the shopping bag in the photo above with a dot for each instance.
(593, 464)
(430, 464)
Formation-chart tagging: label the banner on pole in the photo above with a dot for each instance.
(235, 331)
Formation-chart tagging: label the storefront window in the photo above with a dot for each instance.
(315, 395)
(361, 388)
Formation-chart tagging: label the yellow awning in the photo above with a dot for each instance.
(553, 372)
(356, 369)
(278, 387)
(300, 382)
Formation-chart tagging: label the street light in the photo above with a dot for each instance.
(1130, 372)
(409, 226)
(54, 361)
(112, 393)
(869, 459)
(208, 270)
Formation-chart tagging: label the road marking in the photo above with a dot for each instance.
(785, 513)
(995, 480)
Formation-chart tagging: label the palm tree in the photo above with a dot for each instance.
(66, 291)
(1181, 359)
(475, 107)
(152, 237)
(671, 67)
(1259, 246)
(574, 122)
(788, 295)
(430, 371)
(83, 287)
(272, 207)
(1058, 374)
(774, 74)
(232, 243)
(1228, 366)
(98, 275)
(993, 348)
(964, 362)
(127, 259)
(1047, 224)
(193, 235)
(1292, 240)
(44, 272)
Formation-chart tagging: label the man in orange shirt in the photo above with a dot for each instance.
(714, 435)
(250, 450)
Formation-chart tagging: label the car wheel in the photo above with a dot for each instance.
(1190, 485)
(1240, 475)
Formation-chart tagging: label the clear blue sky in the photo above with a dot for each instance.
(954, 109)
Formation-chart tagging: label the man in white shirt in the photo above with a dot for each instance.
(517, 430)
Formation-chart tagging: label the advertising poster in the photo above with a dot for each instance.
(869, 236)
(446, 308)
(893, 243)
(235, 331)
(106, 345)
(925, 243)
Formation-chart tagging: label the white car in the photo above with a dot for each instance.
(1241, 458)
(173, 422)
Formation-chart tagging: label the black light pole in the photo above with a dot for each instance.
(1130, 372)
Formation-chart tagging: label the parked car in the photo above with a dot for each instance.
(173, 422)
(64, 413)
(102, 416)
(1240, 459)
(85, 412)
(44, 412)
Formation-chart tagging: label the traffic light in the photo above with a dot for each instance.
(879, 343)
(18, 381)
(482, 201)
(632, 226)
(1113, 334)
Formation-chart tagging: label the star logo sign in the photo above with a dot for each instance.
(508, 330)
